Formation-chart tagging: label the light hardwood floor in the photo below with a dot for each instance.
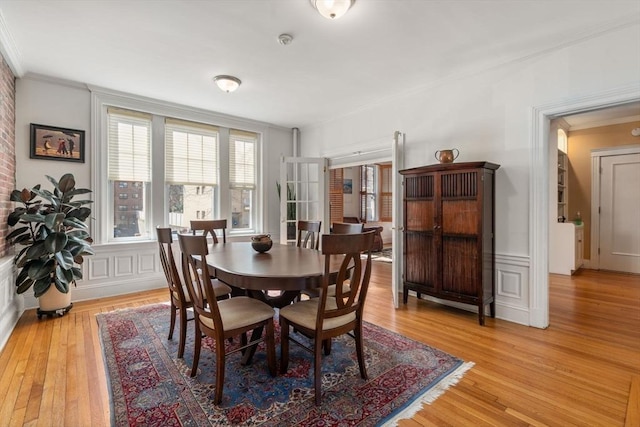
(577, 372)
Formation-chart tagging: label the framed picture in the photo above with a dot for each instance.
(54, 143)
(347, 186)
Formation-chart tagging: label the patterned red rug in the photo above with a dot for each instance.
(151, 387)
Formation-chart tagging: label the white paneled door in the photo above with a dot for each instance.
(303, 181)
(620, 213)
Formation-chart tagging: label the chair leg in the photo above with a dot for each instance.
(360, 350)
(326, 344)
(271, 348)
(284, 345)
(317, 369)
(172, 324)
(196, 349)
(220, 359)
(183, 332)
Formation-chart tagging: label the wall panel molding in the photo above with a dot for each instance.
(11, 304)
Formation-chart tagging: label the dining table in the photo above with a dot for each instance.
(275, 277)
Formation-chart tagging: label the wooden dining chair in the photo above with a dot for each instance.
(209, 226)
(308, 234)
(179, 297)
(346, 228)
(224, 319)
(326, 317)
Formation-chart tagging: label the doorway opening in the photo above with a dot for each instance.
(539, 190)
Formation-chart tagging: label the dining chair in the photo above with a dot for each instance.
(308, 234)
(209, 226)
(224, 319)
(326, 317)
(346, 228)
(179, 297)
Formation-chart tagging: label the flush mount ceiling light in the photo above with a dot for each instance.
(227, 83)
(332, 9)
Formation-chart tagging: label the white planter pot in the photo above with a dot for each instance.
(54, 301)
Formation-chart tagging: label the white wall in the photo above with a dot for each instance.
(488, 116)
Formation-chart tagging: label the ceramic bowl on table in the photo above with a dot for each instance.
(261, 243)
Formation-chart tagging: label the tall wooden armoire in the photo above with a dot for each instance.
(449, 233)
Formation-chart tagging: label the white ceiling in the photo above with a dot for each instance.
(170, 50)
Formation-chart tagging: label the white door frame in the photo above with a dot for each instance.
(397, 226)
(596, 158)
(541, 117)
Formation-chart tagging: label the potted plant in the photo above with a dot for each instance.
(53, 234)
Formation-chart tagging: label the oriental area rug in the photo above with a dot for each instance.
(150, 386)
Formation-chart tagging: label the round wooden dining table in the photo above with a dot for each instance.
(284, 268)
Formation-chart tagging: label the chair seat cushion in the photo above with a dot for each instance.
(331, 290)
(304, 314)
(239, 312)
(219, 289)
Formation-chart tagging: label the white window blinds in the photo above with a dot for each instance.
(129, 136)
(242, 159)
(191, 153)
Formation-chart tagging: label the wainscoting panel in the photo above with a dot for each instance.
(512, 288)
(124, 265)
(148, 263)
(11, 304)
(116, 270)
(98, 268)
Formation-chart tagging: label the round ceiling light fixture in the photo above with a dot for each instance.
(332, 9)
(227, 83)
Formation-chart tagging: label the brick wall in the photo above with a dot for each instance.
(7, 148)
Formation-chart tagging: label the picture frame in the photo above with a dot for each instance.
(56, 143)
(347, 186)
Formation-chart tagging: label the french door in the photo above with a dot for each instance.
(302, 185)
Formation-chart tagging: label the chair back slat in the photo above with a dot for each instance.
(167, 259)
(197, 278)
(209, 226)
(346, 228)
(308, 234)
(349, 248)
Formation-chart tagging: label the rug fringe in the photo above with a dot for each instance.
(430, 395)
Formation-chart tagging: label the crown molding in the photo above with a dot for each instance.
(9, 49)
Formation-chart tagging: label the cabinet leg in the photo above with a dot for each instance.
(481, 315)
(492, 309)
(405, 294)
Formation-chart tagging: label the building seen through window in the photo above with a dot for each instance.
(128, 216)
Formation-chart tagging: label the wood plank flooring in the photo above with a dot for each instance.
(578, 372)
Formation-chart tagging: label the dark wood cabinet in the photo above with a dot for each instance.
(449, 233)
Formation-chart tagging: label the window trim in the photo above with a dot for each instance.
(101, 99)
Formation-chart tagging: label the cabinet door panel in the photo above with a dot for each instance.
(460, 217)
(420, 259)
(419, 215)
(460, 266)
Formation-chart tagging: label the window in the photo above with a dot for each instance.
(161, 169)
(242, 177)
(368, 211)
(385, 194)
(129, 141)
(336, 196)
(191, 171)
